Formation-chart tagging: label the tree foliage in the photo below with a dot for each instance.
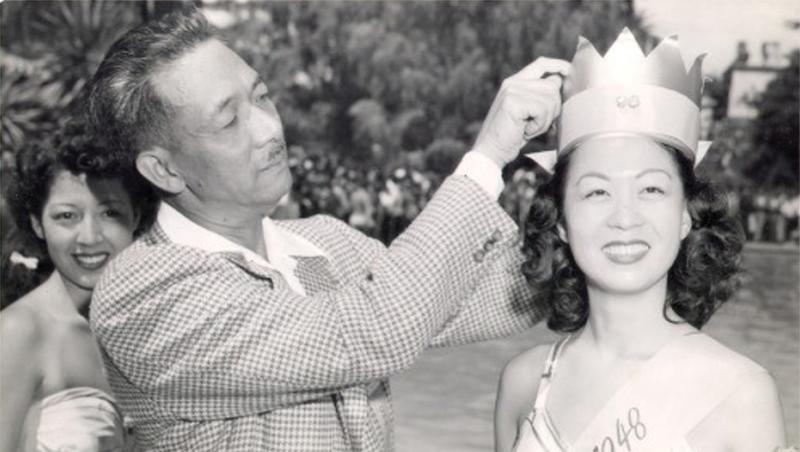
(777, 160)
(50, 50)
(406, 75)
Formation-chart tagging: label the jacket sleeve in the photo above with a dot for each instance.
(501, 304)
(205, 341)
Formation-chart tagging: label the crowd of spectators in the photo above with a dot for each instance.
(380, 203)
(770, 216)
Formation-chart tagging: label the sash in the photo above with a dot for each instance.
(667, 397)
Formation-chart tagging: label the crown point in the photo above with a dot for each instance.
(583, 42)
(695, 74)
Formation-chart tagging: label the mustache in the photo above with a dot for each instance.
(276, 148)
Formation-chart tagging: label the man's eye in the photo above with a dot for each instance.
(261, 98)
(231, 123)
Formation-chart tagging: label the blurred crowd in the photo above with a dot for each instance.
(769, 216)
(377, 202)
(380, 203)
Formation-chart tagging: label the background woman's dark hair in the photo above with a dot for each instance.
(705, 273)
(37, 164)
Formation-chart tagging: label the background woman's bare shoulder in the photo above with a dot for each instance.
(22, 334)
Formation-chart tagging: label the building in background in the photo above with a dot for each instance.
(750, 77)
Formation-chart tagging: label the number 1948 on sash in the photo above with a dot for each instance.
(628, 432)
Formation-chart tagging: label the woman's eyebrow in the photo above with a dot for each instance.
(654, 170)
(591, 174)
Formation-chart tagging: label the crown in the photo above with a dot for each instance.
(626, 92)
(625, 64)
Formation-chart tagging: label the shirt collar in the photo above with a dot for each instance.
(280, 242)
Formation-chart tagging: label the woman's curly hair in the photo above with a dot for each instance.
(37, 164)
(705, 273)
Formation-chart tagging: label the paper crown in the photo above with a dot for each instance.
(626, 92)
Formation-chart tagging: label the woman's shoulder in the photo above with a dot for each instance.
(527, 363)
(750, 415)
(23, 334)
(519, 380)
(21, 324)
(716, 356)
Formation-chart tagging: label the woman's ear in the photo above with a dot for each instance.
(686, 223)
(37, 227)
(156, 166)
(562, 233)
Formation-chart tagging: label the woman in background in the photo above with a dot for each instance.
(82, 207)
(634, 254)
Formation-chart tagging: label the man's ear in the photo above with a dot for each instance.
(686, 223)
(37, 227)
(156, 165)
(562, 233)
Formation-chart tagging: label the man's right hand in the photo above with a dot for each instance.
(524, 108)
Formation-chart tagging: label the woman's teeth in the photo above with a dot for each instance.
(626, 253)
(91, 261)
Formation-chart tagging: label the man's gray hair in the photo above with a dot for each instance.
(122, 104)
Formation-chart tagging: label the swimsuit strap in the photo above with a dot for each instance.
(548, 372)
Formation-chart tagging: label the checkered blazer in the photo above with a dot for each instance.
(208, 352)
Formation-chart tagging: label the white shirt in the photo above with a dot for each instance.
(281, 243)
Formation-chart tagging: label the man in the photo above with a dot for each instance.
(224, 330)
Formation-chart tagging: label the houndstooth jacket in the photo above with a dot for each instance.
(207, 351)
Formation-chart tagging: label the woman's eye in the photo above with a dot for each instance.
(261, 98)
(653, 190)
(596, 193)
(112, 213)
(65, 216)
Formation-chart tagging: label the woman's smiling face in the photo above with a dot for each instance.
(85, 222)
(625, 213)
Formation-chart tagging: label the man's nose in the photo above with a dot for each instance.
(89, 231)
(265, 122)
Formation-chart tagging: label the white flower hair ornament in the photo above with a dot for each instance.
(628, 93)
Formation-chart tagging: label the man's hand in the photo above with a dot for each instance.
(524, 108)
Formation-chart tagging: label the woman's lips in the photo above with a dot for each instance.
(626, 252)
(91, 261)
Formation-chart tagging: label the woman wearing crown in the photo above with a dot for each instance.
(634, 253)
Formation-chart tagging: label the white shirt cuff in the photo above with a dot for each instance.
(484, 171)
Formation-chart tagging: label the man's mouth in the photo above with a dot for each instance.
(626, 252)
(91, 261)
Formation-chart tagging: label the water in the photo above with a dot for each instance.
(445, 402)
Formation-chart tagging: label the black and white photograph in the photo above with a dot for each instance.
(400, 225)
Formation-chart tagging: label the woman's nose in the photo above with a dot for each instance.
(625, 216)
(89, 231)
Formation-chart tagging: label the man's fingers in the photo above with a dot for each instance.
(544, 65)
(534, 99)
(540, 115)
